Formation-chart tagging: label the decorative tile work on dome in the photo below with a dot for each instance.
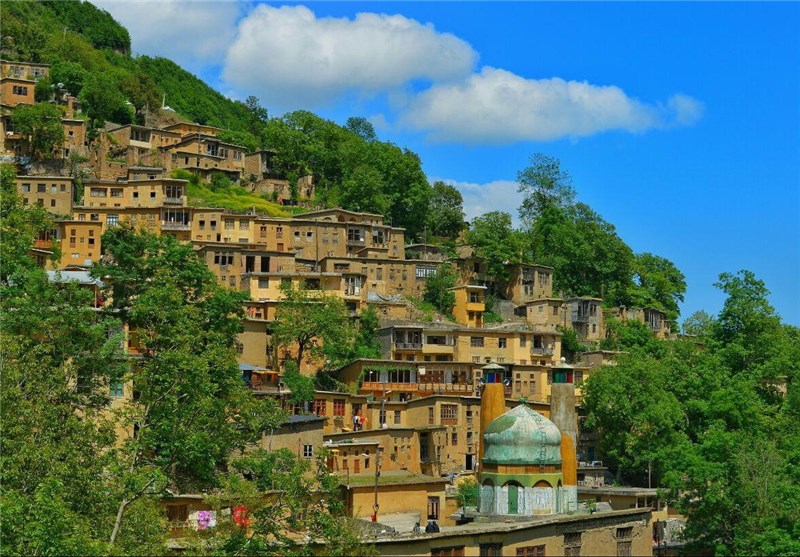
(522, 436)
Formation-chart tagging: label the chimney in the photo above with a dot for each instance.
(562, 414)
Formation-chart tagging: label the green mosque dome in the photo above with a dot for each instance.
(522, 436)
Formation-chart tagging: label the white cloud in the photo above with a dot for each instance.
(497, 106)
(193, 33)
(292, 59)
(499, 195)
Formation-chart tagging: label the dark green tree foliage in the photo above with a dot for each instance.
(43, 91)
(446, 211)
(361, 127)
(588, 256)
(302, 386)
(70, 74)
(437, 288)
(544, 186)
(192, 407)
(20, 226)
(104, 101)
(42, 122)
(315, 326)
(244, 139)
(657, 283)
(304, 504)
(700, 324)
(56, 451)
(26, 26)
(495, 240)
(359, 174)
(714, 423)
(96, 25)
(191, 97)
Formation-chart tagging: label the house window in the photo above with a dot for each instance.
(244, 225)
(572, 544)
(152, 195)
(308, 451)
(116, 192)
(319, 407)
(98, 192)
(398, 416)
(424, 272)
(457, 551)
(624, 549)
(338, 407)
(449, 412)
(502, 343)
(491, 550)
(115, 389)
(433, 508)
(19, 90)
(431, 419)
(112, 220)
(454, 439)
(474, 298)
(26, 188)
(476, 342)
(177, 514)
(531, 551)
(523, 340)
(229, 224)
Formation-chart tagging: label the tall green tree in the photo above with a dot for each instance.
(42, 122)
(446, 212)
(543, 185)
(717, 423)
(658, 283)
(438, 288)
(589, 257)
(192, 408)
(495, 240)
(316, 325)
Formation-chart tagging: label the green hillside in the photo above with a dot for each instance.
(86, 46)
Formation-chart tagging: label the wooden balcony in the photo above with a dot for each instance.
(379, 386)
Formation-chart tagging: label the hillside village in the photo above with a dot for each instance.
(230, 332)
(415, 411)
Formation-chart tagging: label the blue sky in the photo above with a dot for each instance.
(679, 122)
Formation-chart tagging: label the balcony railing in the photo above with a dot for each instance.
(380, 386)
(580, 318)
(543, 351)
(175, 226)
(174, 200)
(446, 387)
(408, 345)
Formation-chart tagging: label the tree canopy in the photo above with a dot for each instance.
(42, 122)
(717, 421)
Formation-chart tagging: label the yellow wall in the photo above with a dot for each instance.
(56, 197)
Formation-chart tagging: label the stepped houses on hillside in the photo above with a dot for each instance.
(402, 426)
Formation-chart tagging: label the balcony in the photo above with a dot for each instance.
(446, 387)
(174, 200)
(175, 226)
(542, 351)
(475, 306)
(580, 318)
(408, 345)
(380, 386)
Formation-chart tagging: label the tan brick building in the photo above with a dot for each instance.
(53, 193)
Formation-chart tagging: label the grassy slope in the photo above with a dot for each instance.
(236, 199)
